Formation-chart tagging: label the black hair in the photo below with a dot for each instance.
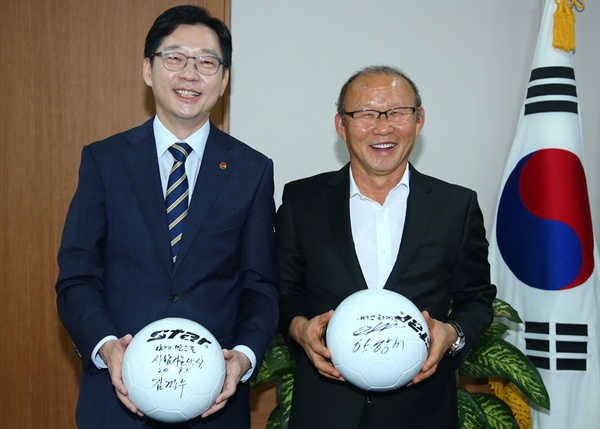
(172, 18)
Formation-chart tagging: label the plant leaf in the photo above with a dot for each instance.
(279, 417)
(277, 361)
(278, 356)
(470, 413)
(497, 412)
(275, 418)
(285, 387)
(504, 309)
(502, 359)
(495, 331)
(263, 377)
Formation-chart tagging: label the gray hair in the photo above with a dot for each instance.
(376, 70)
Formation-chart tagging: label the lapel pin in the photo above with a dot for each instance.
(222, 166)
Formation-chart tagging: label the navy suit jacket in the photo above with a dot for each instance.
(441, 266)
(117, 275)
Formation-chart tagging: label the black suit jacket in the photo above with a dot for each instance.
(117, 275)
(442, 260)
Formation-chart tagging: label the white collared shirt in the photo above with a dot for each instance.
(165, 139)
(377, 230)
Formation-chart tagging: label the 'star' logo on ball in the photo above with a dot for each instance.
(169, 334)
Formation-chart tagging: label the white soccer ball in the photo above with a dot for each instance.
(378, 340)
(173, 370)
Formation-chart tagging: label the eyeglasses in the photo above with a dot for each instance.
(395, 115)
(176, 61)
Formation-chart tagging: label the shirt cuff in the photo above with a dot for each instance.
(250, 354)
(96, 358)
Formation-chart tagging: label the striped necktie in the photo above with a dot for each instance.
(177, 195)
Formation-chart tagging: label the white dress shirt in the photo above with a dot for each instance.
(377, 230)
(165, 139)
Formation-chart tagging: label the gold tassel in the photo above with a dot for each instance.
(509, 393)
(564, 24)
(564, 27)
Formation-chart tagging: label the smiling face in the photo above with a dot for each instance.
(185, 98)
(379, 153)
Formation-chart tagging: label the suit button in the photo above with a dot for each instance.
(174, 297)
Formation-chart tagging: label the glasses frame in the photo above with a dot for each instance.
(162, 54)
(379, 113)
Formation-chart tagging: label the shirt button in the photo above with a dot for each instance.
(174, 297)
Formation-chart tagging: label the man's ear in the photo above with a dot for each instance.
(421, 119)
(147, 72)
(224, 81)
(340, 126)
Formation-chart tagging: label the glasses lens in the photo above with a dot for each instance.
(208, 65)
(366, 117)
(399, 115)
(174, 61)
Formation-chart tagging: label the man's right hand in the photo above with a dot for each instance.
(112, 353)
(309, 334)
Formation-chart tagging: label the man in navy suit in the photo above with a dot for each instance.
(379, 223)
(117, 270)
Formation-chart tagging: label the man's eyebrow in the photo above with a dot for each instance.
(208, 51)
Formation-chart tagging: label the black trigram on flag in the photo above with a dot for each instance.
(551, 89)
(557, 346)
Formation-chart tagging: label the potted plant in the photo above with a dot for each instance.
(278, 366)
(508, 369)
(492, 358)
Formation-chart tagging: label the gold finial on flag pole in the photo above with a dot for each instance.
(564, 24)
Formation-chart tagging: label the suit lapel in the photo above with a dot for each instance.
(209, 184)
(141, 163)
(418, 211)
(337, 207)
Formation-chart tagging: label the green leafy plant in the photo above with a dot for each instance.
(492, 356)
(278, 366)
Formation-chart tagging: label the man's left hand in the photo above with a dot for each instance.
(237, 364)
(442, 336)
